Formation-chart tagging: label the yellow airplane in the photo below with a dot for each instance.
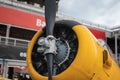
(67, 50)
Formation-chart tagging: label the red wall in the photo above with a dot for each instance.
(32, 21)
(98, 33)
(19, 18)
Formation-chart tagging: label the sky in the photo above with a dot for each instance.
(104, 12)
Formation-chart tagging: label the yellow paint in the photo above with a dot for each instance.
(88, 64)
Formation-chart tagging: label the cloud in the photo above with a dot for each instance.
(111, 17)
(105, 12)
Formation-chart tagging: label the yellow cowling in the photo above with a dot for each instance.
(92, 61)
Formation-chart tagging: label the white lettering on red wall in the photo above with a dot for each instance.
(40, 23)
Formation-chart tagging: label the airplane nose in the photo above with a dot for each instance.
(75, 53)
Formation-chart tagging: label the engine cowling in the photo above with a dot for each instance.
(79, 55)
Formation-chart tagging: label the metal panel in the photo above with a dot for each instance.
(11, 52)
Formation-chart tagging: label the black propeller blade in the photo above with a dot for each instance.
(50, 65)
(50, 14)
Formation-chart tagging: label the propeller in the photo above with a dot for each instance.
(50, 14)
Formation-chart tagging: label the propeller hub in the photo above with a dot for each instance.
(47, 45)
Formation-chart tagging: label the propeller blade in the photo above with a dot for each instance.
(50, 65)
(50, 14)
